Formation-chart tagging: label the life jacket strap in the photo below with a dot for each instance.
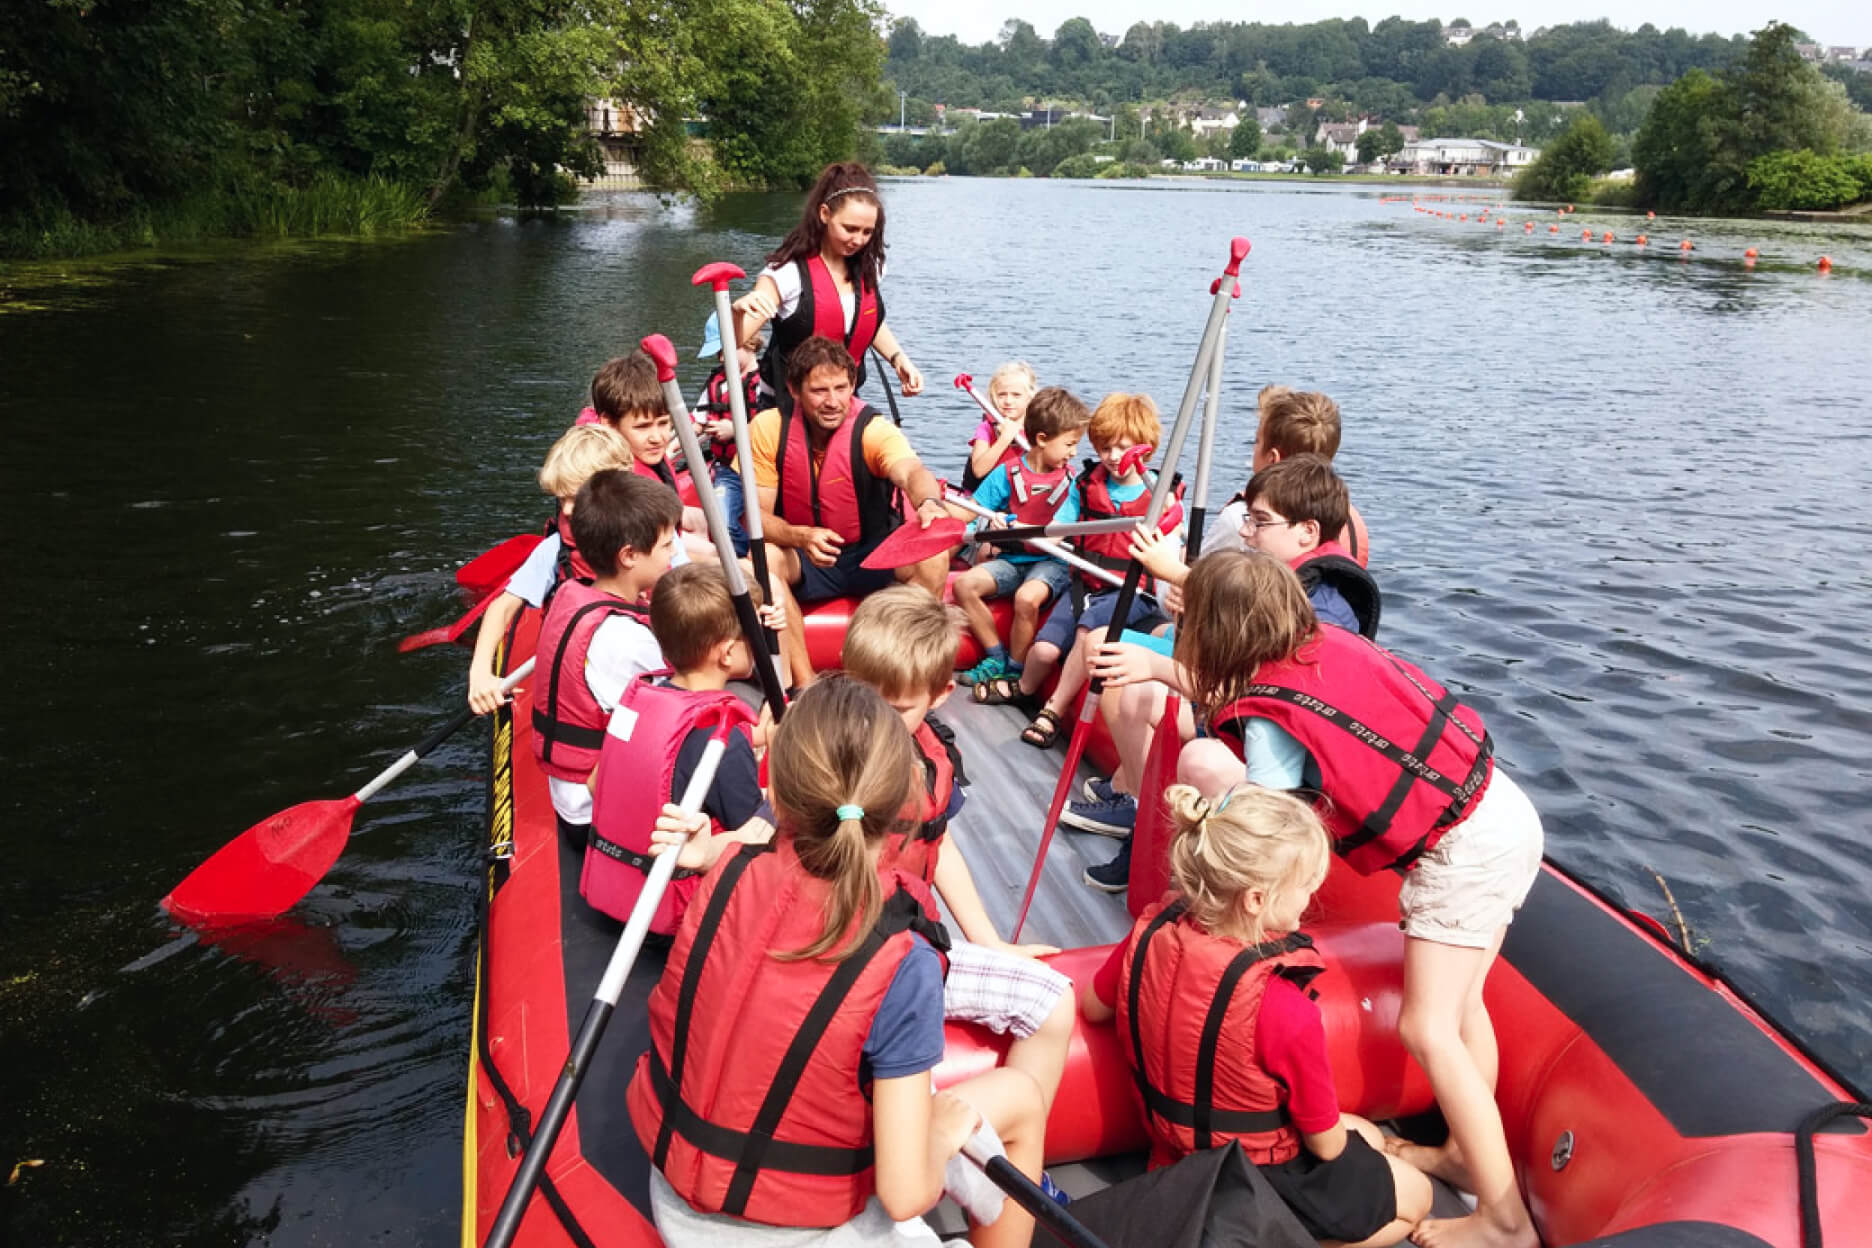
(630, 857)
(732, 1145)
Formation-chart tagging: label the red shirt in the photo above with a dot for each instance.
(1290, 1044)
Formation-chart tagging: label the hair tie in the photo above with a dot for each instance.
(1223, 804)
(850, 810)
(848, 190)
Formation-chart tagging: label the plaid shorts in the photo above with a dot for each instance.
(1002, 992)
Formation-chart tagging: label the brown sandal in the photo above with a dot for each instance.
(997, 691)
(1044, 731)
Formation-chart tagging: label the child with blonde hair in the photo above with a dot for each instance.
(994, 442)
(581, 452)
(1277, 692)
(799, 1017)
(1210, 996)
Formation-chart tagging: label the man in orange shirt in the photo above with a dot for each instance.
(832, 476)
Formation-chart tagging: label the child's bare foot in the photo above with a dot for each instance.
(1443, 1163)
(1480, 1229)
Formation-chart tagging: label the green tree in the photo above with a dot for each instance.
(1245, 139)
(1809, 181)
(906, 39)
(1674, 152)
(1566, 167)
(1319, 160)
(1369, 145)
(1390, 139)
(1076, 44)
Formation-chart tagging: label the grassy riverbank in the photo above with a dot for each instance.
(357, 207)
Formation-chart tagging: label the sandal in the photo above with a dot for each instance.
(1044, 731)
(1001, 689)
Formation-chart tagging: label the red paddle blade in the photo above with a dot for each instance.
(909, 544)
(448, 632)
(266, 869)
(489, 570)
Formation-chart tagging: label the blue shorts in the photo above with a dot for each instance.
(728, 490)
(1062, 622)
(1010, 575)
(844, 579)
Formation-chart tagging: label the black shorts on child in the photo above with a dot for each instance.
(1348, 1198)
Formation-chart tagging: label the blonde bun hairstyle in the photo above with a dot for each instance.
(1248, 838)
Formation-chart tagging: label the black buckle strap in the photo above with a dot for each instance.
(630, 857)
(732, 1145)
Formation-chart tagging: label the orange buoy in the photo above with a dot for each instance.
(1465, 216)
(1750, 254)
(1553, 229)
(1569, 207)
(1643, 239)
(1585, 236)
(1650, 216)
(1607, 238)
(1527, 227)
(1826, 264)
(1498, 223)
(1685, 246)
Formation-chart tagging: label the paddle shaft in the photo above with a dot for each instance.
(757, 637)
(1077, 528)
(598, 1014)
(1024, 1192)
(1205, 449)
(430, 742)
(744, 455)
(966, 384)
(1057, 551)
(1134, 571)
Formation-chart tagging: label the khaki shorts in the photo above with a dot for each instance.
(1469, 886)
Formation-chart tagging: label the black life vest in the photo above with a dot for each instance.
(1329, 564)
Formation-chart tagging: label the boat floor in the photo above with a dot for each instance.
(997, 831)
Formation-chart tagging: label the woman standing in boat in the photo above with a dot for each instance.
(823, 279)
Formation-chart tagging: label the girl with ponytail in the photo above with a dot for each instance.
(804, 993)
(823, 279)
(1225, 949)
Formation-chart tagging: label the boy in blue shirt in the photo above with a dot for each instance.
(1036, 488)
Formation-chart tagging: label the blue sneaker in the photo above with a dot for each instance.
(1116, 816)
(1099, 789)
(1113, 876)
(1053, 1190)
(992, 666)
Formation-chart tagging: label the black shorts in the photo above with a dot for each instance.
(844, 579)
(1348, 1198)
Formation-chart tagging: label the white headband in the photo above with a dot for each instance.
(849, 190)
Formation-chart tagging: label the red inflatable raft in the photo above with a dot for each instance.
(1647, 1104)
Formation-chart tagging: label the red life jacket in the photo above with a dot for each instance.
(1112, 551)
(768, 1122)
(681, 482)
(1329, 564)
(571, 565)
(838, 493)
(568, 723)
(1401, 760)
(1187, 997)
(916, 853)
(821, 313)
(1036, 497)
(635, 776)
(715, 405)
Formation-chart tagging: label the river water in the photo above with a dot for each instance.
(1619, 500)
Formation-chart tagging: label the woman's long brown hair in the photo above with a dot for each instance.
(838, 184)
(1240, 610)
(841, 744)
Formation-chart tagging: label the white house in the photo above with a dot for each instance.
(1343, 137)
(1463, 156)
(1207, 121)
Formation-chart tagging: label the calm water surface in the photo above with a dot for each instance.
(1619, 500)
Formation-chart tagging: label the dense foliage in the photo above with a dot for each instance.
(1566, 167)
(140, 111)
(1396, 69)
(1751, 136)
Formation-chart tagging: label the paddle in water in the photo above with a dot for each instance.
(448, 632)
(604, 1000)
(1121, 611)
(266, 869)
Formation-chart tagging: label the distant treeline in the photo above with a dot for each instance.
(1398, 70)
(125, 121)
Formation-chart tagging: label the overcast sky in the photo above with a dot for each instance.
(1829, 21)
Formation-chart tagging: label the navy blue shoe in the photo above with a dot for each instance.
(1116, 816)
(1113, 876)
(1052, 1190)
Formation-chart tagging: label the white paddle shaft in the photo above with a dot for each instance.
(410, 759)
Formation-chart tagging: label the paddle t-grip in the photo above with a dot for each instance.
(718, 275)
(662, 353)
(1238, 252)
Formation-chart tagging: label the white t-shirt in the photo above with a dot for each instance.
(622, 649)
(787, 279)
(1222, 531)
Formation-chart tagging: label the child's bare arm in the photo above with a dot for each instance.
(1092, 1007)
(957, 887)
(483, 681)
(983, 456)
